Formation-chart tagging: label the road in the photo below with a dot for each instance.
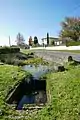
(57, 56)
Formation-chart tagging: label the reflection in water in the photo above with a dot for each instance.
(36, 97)
(25, 100)
(36, 71)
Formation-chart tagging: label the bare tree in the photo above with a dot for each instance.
(20, 39)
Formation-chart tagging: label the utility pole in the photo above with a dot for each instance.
(9, 41)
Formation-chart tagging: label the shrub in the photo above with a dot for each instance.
(61, 68)
(5, 50)
(31, 53)
(70, 58)
(72, 43)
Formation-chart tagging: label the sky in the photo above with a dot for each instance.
(34, 18)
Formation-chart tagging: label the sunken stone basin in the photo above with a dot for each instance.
(31, 91)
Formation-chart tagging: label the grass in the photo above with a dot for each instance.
(9, 76)
(14, 58)
(17, 58)
(72, 51)
(63, 91)
(72, 43)
(11, 58)
(35, 61)
(64, 88)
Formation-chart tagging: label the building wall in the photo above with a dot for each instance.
(44, 41)
(58, 43)
(55, 40)
(51, 40)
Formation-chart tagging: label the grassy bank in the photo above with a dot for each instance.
(35, 61)
(15, 58)
(9, 76)
(24, 57)
(63, 93)
(64, 90)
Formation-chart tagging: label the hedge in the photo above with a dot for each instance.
(4, 50)
(72, 43)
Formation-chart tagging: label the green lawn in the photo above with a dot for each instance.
(34, 60)
(9, 76)
(65, 96)
(73, 51)
(63, 90)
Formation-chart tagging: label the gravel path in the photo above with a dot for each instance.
(57, 56)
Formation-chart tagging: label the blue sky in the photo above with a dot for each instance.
(34, 17)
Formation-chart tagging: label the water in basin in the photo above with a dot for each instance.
(36, 71)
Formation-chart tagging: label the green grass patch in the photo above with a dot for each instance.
(72, 51)
(63, 93)
(35, 61)
(9, 76)
(72, 43)
(64, 103)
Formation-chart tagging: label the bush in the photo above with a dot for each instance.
(70, 58)
(72, 43)
(5, 50)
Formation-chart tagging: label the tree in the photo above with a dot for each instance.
(30, 41)
(71, 28)
(20, 39)
(35, 40)
(47, 38)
